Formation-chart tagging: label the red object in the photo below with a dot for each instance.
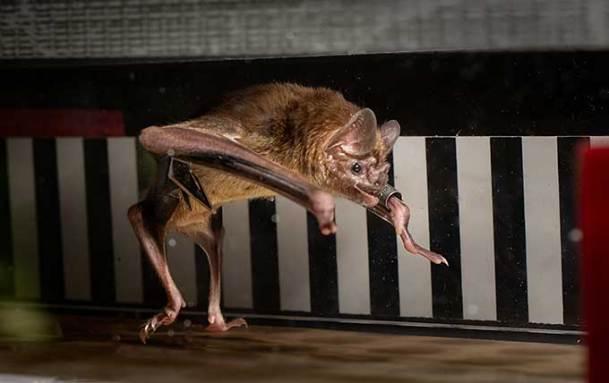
(594, 222)
(61, 122)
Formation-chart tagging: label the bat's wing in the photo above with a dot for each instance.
(212, 150)
(180, 172)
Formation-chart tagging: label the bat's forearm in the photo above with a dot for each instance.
(223, 154)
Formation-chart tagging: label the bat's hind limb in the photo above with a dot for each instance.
(149, 219)
(208, 233)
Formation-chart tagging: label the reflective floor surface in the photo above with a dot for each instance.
(102, 349)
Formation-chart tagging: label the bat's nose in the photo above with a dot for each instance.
(382, 179)
(378, 176)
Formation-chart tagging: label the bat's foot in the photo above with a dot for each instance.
(217, 324)
(165, 318)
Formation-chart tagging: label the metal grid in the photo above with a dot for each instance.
(252, 28)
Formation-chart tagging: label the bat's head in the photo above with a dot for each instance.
(357, 157)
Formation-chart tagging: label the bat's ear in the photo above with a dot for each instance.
(358, 136)
(390, 131)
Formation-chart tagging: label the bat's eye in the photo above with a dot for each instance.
(356, 168)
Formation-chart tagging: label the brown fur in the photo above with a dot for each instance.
(287, 123)
(307, 143)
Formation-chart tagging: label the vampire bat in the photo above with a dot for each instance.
(306, 144)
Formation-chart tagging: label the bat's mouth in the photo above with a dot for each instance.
(369, 198)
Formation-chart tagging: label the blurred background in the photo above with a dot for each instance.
(259, 28)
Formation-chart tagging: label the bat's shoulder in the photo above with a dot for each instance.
(262, 115)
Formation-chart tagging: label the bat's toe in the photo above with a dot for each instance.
(221, 326)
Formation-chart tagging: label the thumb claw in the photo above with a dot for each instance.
(328, 229)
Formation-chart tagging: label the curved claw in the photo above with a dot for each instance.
(146, 330)
(414, 248)
(164, 318)
(239, 322)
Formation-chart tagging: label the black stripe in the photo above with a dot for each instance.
(322, 269)
(48, 217)
(153, 291)
(531, 97)
(444, 227)
(7, 278)
(265, 264)
(99, 221)
(383, 265)
(509, 230)
(202, 277)
(570, 257)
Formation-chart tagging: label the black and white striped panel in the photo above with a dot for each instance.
(499, 209)
(67, 200)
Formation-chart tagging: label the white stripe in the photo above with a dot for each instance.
(73, 209)
(122, 165)
(410, 170)
(22, 195)
(352, 258)
(181, 259)
(476, 228)
(542, 221)
(599, 141)
(293, 254)
(237, 258)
